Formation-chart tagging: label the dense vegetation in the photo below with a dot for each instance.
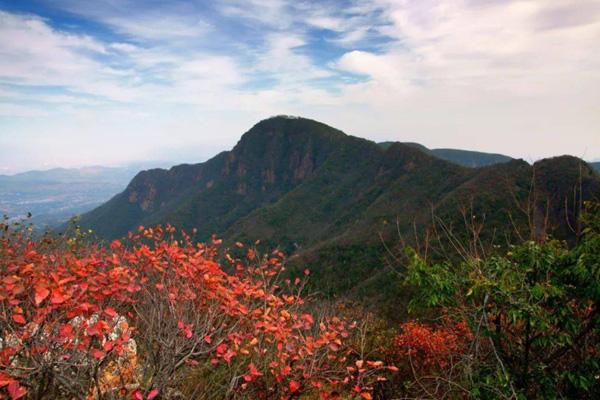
(523, 324)
(158, 316)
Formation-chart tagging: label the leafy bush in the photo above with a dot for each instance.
(533, 317)
(160, 317)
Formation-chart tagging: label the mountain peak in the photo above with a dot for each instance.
(287, 124)
(284, 133)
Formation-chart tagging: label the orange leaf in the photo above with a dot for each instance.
(19, 319)
(40, 294)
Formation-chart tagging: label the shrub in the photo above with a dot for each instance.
(142, 319)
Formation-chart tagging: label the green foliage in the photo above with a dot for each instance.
(538, 306)
(438, 283)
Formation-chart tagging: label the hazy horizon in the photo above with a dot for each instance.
(166, 163)
(110, 83)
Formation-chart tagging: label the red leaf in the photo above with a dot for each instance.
(152, 394)
(253, 370)
(229, 355)
(110, 312)
(137, 395)
(108, 346)
(16, 391)
(66, 331)
(366, 396)
(5, 379)
(19, 319)
(40, 294)
(221, 348)
(294, 386)
(97, 353)
(57, 297)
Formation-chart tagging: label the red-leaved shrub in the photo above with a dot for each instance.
(129, 321)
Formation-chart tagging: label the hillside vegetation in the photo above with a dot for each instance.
(334, 201)
(158, 316)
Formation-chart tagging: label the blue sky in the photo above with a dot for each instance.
(114, 81)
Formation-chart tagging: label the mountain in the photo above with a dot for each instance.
(297, 182)
(335, 202)
(55, 195)
(595, 165)
(467, 158)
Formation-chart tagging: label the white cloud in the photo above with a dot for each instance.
(482, 75)
(486, 75)
(497, 45)
(35, 54)
(282, 59)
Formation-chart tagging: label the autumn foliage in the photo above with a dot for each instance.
(431, 348)
(136, 320)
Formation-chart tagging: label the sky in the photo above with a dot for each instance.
(114, 81)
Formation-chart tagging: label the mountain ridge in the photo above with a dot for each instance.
(282, 164)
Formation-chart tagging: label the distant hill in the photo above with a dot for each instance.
(331, 200)
(55, 195)
(467, 158)
(596, 165)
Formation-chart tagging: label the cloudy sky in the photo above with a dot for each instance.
(113, 81)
